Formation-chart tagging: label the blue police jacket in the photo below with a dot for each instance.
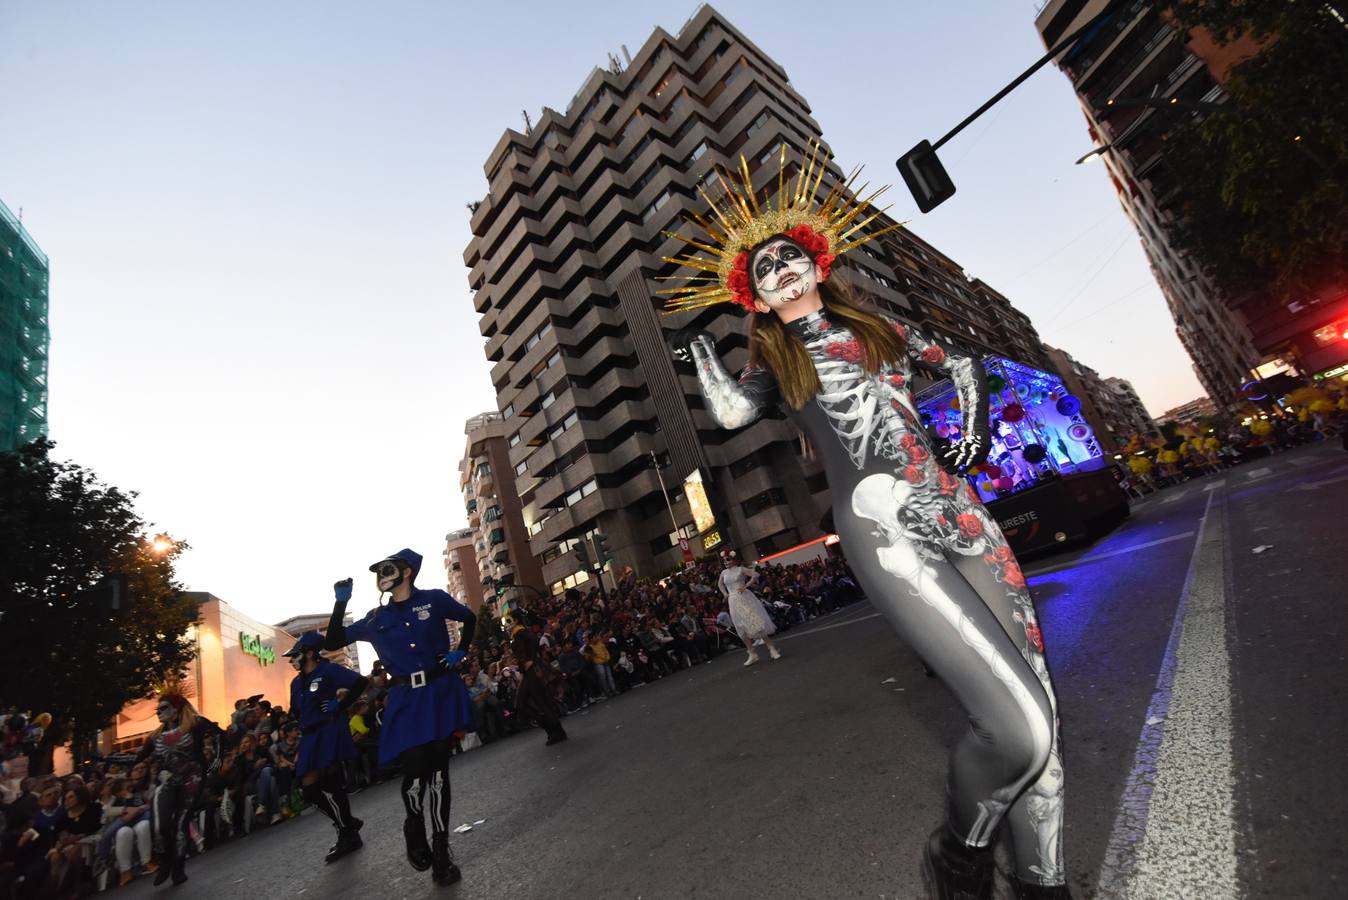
(323, 683)
(408, 636)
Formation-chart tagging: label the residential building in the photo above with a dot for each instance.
(566, 257)
(1112, 431)
(295, 626)
(1137, 55)
(500, 535)
(1130, 413)
(24, 335)
(461, 572)
(1190, 413)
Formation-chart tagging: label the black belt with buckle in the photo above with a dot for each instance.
(420, 678)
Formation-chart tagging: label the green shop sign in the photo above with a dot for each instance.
(253, 646)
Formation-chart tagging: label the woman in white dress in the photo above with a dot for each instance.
(746, 610)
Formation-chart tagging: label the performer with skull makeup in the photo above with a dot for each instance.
(752, 622)
(325, 736)
(427, 701)
(179, 747)
(919, 541)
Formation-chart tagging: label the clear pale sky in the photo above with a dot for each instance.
(255, 217)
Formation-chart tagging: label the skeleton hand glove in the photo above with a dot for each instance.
(451, 659)
(342, 590)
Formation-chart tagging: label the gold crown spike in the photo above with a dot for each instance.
(737, 222)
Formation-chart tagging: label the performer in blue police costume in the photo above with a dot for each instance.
(325, 736)
(427, 700)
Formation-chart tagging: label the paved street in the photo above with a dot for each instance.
(821, 774)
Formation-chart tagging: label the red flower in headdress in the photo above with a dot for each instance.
(816, 245)
(738, 281)
(933, 355)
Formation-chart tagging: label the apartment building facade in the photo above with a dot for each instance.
(463, 579)
(24, 334)
(1137, 55)
(501, 553)
(1129, 411)
(567, 251)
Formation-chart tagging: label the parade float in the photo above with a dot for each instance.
(1046, 479)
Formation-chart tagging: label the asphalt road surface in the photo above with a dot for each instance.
(1199, 685)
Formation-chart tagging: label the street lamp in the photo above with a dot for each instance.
(1094, 154)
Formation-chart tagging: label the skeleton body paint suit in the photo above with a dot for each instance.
(921, 544)
(179, 749)
(427, 702)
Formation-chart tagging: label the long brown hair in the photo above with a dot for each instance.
(772, 348)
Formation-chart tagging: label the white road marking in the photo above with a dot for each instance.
(1173, 497)
(1099, 556)
(787, 637)
(1174, 834)
(1214, 485)
(1255, 474)
(1316, 485)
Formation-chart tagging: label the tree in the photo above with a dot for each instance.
(1269, 179)
(66, 651)
(488, 629)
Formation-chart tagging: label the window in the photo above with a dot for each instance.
(581, 492)
(683, 131)
(522, 467)
(735, 71)
(570, 420)
(508, 411)
(514, 439)
(651, 210)
(700, 149)
(555, 358)
(760, 502)
(758, 123)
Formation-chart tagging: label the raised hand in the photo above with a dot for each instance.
(342, 590)
(970, 450)
(681, 342)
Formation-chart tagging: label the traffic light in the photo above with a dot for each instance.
(601, 550)
(582, 556)
(925, 176)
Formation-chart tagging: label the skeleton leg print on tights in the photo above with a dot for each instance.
(426, 784)
(960, 632)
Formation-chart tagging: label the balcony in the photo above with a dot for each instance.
(497, 536)
(483, 481)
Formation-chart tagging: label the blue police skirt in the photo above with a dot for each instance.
(416, 716)
(330, 744)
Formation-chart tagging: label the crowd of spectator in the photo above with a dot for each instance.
(92, 829)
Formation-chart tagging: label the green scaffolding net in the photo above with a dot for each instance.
(24, 335)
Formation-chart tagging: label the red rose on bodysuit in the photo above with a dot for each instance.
(942, 520)
(970, 525)
(913, 475)
(847, 351)
(933, 355)
(947, 482)
(1012, 575)
(919, 453)
(971, 493)
(900, 331)
(908, 442)
(1035, 637)
(1002, 554)
(896, 380)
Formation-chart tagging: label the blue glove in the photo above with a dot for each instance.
(451, 659)
(328, 707)
(342, 590)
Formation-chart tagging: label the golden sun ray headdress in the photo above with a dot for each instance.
(826, 228)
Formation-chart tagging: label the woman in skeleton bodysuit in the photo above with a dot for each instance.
(751, 620)
(919, 541)
(178, 746)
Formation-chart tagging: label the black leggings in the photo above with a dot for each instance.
(426, 772)
(971, 619)
(173, 807)
(328, 796)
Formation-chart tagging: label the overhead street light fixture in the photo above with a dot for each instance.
(1094, 154)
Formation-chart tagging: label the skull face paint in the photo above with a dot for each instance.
(389, 575)
(782, 271)
(165, 712)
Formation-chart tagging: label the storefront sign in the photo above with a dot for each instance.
(253, 646)
(696, 493)
(1331, 373)
(711, 540)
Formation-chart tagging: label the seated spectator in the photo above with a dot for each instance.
(72, 855)
(283, 755)
(486, 711)
(126, 828)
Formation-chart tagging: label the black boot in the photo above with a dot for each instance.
(179, 873)
(443, 869)
(956, 871)
(418, 851)
(348, 840)
(166, 867)
(1026, 891)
